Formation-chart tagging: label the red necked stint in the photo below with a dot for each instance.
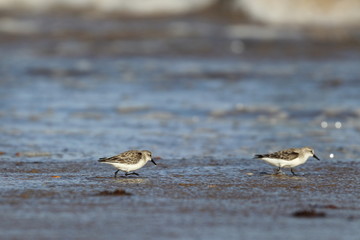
(288, 158)
(129, 161)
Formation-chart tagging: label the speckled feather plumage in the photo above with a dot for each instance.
(287, 154)
(128, 157)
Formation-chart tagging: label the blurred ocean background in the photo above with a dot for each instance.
(180, 77)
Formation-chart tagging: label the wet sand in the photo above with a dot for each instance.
(182, 199)
(204, 100)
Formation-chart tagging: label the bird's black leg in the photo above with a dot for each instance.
(292, 171)
(116, 173)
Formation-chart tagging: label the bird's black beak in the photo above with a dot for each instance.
(316, 157)
(152, 160)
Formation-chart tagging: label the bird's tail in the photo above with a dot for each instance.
(258, 156)
(102, 160)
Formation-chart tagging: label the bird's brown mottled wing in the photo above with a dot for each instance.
(288, 154)
(129, 157)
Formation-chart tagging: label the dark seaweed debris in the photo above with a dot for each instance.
(117, 192)
(308, 214)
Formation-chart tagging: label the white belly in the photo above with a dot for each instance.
(128, 167)
(283, 163)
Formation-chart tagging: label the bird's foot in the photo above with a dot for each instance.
(133, 173)
(279, 172)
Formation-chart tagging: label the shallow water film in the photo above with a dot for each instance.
(204, 94)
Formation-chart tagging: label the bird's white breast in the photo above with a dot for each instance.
(128, 167)
(284, 163)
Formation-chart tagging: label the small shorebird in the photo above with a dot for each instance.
(288, 158)
(129, 161)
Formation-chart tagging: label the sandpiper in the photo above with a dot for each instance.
(129, 161)
(288, 158)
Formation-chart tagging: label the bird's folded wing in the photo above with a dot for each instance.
(284, 155)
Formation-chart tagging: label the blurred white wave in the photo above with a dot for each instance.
(302, 12)
(288, 12)
(134, 7)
